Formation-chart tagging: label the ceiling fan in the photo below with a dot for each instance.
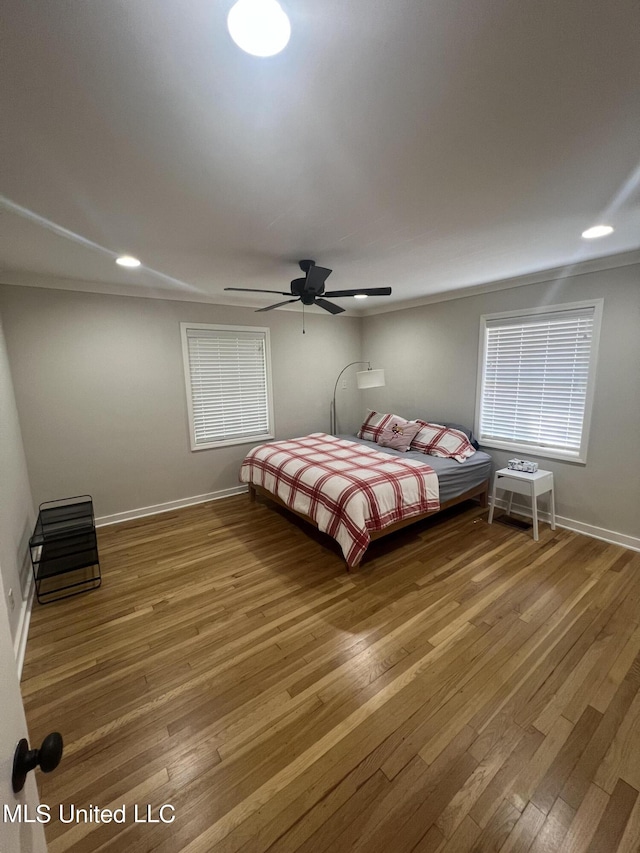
(310, 289)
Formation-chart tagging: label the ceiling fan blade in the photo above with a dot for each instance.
(277, 305)
(329, 306)
(257, 290)
(316, 277)
(369, 291)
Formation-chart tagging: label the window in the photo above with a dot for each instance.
(536, 377)
(228, 380)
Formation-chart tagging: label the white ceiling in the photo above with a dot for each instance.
(429, 145)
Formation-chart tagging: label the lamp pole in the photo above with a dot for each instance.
(334, 420)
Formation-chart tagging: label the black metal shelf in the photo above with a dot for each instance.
(64, 540)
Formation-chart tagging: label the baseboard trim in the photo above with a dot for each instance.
(156, 509)
(612, 536)
(615, 538)
(20, 642)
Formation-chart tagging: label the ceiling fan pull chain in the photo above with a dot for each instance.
(303, 331)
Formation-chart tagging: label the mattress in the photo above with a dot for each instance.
(349, 491)
(454, 478)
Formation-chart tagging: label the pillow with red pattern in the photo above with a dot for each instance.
(398, 434)
(374, 424)
(438, 440)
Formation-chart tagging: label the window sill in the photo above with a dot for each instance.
(534, 450)
(251, 439)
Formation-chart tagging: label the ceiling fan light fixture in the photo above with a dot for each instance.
(597, 231)
(259, 27)
(310, 290)
(128, 261)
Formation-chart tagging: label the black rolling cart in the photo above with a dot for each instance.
(64, 549)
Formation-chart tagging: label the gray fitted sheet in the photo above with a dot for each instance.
(454, 478)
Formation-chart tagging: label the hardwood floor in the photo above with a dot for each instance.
(466, 689)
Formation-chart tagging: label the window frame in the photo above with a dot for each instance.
(227, 442)
(580, 456)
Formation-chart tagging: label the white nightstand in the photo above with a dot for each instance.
(521, 483)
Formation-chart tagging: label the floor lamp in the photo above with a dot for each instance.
(364, 379)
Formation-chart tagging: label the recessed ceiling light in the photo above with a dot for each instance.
(597, 231)
(360, 295)
(259, 27)
(128, 261)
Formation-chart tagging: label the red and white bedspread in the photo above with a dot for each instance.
(346, 488)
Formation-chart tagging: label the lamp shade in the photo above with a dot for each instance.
(370, 378)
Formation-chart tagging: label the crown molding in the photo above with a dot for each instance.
(17, 278)
(25, 279)
(621, 259)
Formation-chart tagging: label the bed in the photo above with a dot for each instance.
(357, 491)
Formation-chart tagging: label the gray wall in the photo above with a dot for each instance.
(16, 505)
(99, 384)
(100, 389)
(430, 355)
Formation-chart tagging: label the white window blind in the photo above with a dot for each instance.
(536, 380)
(228, 384)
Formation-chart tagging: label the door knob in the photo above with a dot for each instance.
(25, 759)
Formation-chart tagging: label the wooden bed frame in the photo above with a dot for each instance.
(481, 492)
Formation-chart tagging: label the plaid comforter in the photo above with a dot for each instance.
(346, 488)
